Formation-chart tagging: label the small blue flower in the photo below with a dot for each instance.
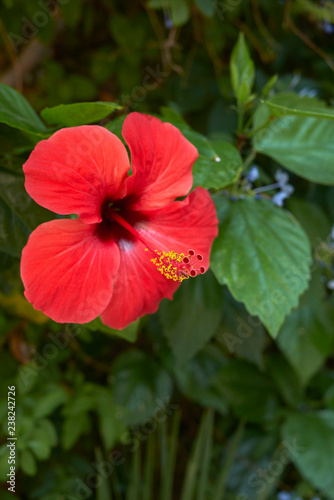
(313, 93)
(332, 233)
(330, 286)
(282, 178)
(278, 198)
(283, 495)
(306, 92)
(328, 28)
(288, 189)
(168, 21)
(253, 174)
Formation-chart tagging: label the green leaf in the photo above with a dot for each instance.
(140, 385)
(200, 372)
(179, 11)
(240, 333)
(285, 379)
(246, 389)
(263, 255)
(19, 214)
(293, 100)
(42, 439)
(110, 424)
(74, 426)
(219, 169)
(71, 115)
(16, 112)
(207, 7)
(192, 318)
(310, 439)
(13, 140)
(115, 126)
(71, 12)
(28, 463)
(54, 397)
(306, 337)
(83, 402)
(129, 333)
(303, 145)
(294, 105)
(39, 446)
(312, 218)
(269, 85)
(4, 454)
(129, 35)
(242, 71)
(49, 430)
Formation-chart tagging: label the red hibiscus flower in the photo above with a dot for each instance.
(132, 244)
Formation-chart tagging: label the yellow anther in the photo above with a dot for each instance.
(168, 264)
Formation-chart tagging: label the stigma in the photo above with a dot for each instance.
(178, 266)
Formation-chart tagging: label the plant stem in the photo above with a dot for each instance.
(249, 159)
(222, 480)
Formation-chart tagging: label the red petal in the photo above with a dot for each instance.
(138, 288)
(191, 223)
(76, 169)
(162, 159)
(67, 271)
(188, 224)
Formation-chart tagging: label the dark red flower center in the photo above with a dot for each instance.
(118, 223)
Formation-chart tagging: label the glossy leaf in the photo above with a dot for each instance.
(129, 333)
(242, 70)
(16, 112)
(301, 144)
(220, 169)
(294, 105)
(263, 255)
(83, 113)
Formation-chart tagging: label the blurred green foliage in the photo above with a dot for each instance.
(228, 391)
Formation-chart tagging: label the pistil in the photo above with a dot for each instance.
(178, 267)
